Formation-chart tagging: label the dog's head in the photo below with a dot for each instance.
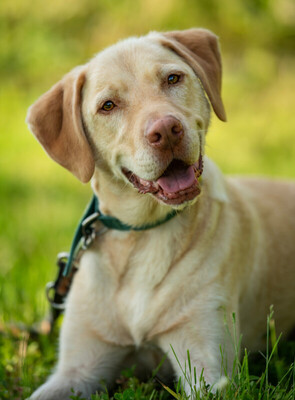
(135, 117)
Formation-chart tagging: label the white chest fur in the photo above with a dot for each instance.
(120, 280)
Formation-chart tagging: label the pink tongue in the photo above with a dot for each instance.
(177, 180)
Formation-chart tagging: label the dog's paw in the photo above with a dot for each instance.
(46, 392)
(60, 388)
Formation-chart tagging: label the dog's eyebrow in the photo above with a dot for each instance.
(162, 69)
(168, 68)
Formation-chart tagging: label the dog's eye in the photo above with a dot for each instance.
(173, 78)
(108, 106)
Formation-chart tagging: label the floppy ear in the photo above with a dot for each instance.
(55, 119)
(199, 48)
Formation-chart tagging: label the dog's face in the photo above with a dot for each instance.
(146, 114)
(137, 112)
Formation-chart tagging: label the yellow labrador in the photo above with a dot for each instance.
(134, 121)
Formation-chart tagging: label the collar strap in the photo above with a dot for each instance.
(84, 232)
(115, 223)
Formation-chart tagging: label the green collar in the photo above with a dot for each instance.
(85, 233)
(115, 223)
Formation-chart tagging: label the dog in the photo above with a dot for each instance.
(133, 120)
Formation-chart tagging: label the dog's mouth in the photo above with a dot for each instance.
(178, 184)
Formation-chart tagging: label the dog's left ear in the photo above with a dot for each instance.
(55, 119)
(200, 49)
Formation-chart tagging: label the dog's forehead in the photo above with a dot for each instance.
(130, 58)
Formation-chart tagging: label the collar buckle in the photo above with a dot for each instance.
(88, 230)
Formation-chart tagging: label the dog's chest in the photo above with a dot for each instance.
(123, 282)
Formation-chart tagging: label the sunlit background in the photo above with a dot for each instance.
(40, 203)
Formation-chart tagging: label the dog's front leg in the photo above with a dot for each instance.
(85, 365)
(195, 352)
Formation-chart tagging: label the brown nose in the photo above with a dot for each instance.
(164, 133)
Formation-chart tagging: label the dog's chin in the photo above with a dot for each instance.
(177, 186)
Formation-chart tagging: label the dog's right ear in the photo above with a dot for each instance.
(55, 119)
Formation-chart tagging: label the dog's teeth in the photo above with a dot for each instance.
(144, 182)
(170, 195)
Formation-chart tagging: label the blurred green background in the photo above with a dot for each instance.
(40, 203)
